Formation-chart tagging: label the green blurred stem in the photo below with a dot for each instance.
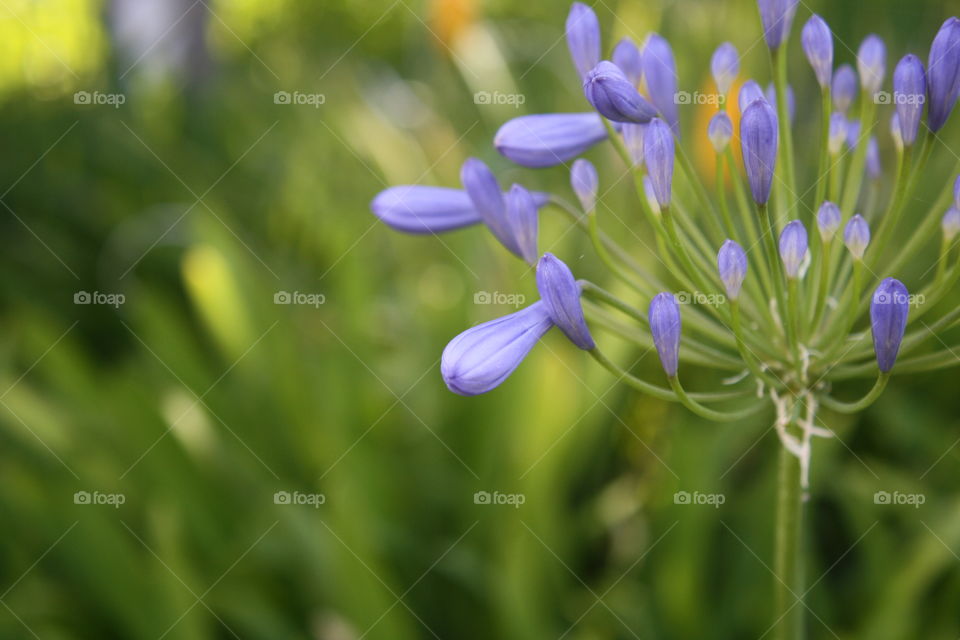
(748, 357)
(787, 585)
(942, 260)
(709, 210)
(793, 315)
(605, 256)
(776, 269)
(851, 189)
(821, 303)
(889, 221)
(862, 403)
(731, 229)
(779, 59)
(711, 414)
(824, 169)
(617, 142)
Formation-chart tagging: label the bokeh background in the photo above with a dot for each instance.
(195, 401)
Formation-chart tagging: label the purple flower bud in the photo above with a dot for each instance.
(660, 76)
(956, 192)
(561, 296)
(664, 318)
(633, 141)
(612, 95)
(951, 223)
(521, 223)
(943, 73)
(583, 38)
(750, 92)
(838, 133)
(515, 226)
(872, 63)
(720, 130)
(844, 87)
(874, 167)
(895, 131)
(650, 195)
(909, 94)
(732, 264)
(725, 65)
(771, 96)
(758, 143)
(888, 320)
(818, 45)
(545, 140)
(627, 56)
(658, 156)
(793, 247)
(856, 235)
(828, 220)
(777, 17)
(481, 358)
(584, 180)
(853, 133)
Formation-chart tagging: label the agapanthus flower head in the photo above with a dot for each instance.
(909, 96)
(895, 132)
(872, 63)
(793, 247)
(943, 73)
(750, 92)
(838, 133)
(560, 294)
(660, 76)
(613, 96)
(771, 95)
(583, 38)
(720, 130)
(658, 154)
(758, 141)
(888, 321)
(585, 182)
(950, 224)
(828, 220)
(732, 265)
(725, 65)
(633, 140)
(874, 166)
(844, 88)
(777, 18)
(546, 140)
(817, 43)
(856, 235)
(664, 319)
(626, 55)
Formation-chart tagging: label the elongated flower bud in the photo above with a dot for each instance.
(888, 320)
(856, 235)
(627, 56)
(658, 156)
(956, 192)
(633, 140)
(732, 264)
(584, 180)
(838, 133)
(909, 96)
(720, 130)
(545, 140)
(561, 296)
(515, 228)
(793, 247)
(660, 76)
(758, 142)
(895, 131)
(777, 18)
(828, 220)
(874, 167)
(943, 73)
(771, 96)
(583, 38)
(872, 63)
(725, 65)
(853, 133)
(612, 95)
(844, 87)
(951, 223)
(664, 318)
(650, 195)
(749, 93)
(522, 223)
(818, 46)
(481, 358)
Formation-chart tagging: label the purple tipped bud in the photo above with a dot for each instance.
(658, 156)
(828, 220)
(660, 76)
(584, 180)
(522, 223)
(479, 359)
(943, 73)
(909, 95)
(627, 56)
(650, 195)
(888, 320)
(853, 133)
(514, 224)
(664, 318)
(561, 296)
(750, 92)
(874, 167)
(838, 133)
(612, 95)
(725, 65)
(771, 96)
(872, 63)
(720, 130)
(777, 18)
(633, 141)
(856, 235)
(484, 191)
(545, 140)
(732, 264)
(895, 131)
(793, 247)
(844, 87)
(818, 45)
(583, 38)
(956, 192)
(758, 142)
(951, 223)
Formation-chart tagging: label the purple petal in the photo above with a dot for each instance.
(585, 183)
(758, 141)
(545, 140)
(844, 87)
(725, 65)
(664, 319)
(909, 95)
(612, 95)
(856, 235)
(818, 46)
(888, 321)
(943, 73)
(658, 155)
(583, 37)
(776, 17)
(626, 55)
(793, 247)
(732, 265)
(660, 76)
(561, 295)
(522, 222)
(872, 63)
(749, 93)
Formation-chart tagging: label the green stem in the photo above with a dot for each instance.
(824, 168)
(862, 403)
(783, 115)
(706, 412)
(851, 189)
(787, 585)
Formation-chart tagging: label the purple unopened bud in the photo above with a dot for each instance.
(584, 180)
(943, 73)
(612, 95)
(664, 318)
(777, 17)
(818, 45)
(720, 130)
(844, 87)
(771, 96)
(658, 156)
(522, 223)
(956, 192)
(660, 76)
(874, 166)
(888, 320)
(650, 195)
(732, 264)
(895, 131)
(633, 141)
(856, 235)
(758, 144)
(838, 133)
(725, 65)
(583, 38)
(561, 296)
(909, 95)
(828, 220)
(853, 133)
(793, 247)
(545, 140)
(750, 92)
(951, 223)
(627, 56)
(872, 63)
(514, 224)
